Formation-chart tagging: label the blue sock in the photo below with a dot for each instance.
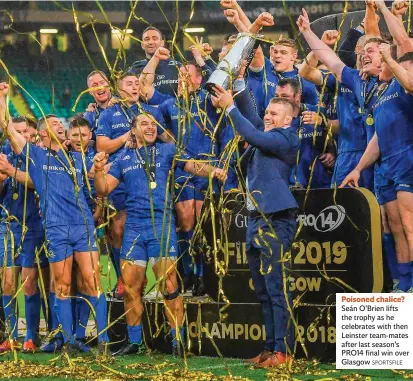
(82, 316)
(101, 310)
(32, 304)
(135, 334)
(10, 315)
(405, 276)
(116, 260)
(186, 258)
(175, 338)
(63, 308)
(74, 316)
(390, 254)
(52, 320)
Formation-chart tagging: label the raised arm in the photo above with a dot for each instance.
(245, 105)
(308, 68)
(8, 170)
(104, 183)
(346, 51)
(233, 18)
(17, 141)
(396, 29)
(404, 77)
(232, 4)
(108, 145)
(371, 21)
(399, 8)
(274, 144)
(322, 52)
(147, 76)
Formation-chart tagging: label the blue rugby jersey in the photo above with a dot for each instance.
(270, 78)
(60, 204)
(166, 74)
(116, 121)
(352, 135)
(128, 169)
(362, 89)
(393, 119)
(93, 117)
(309, 152)
(13, 201)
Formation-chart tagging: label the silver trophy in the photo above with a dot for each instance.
(228, 69)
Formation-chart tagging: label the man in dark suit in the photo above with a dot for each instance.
(269, 159)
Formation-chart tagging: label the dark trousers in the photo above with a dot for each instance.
(264, 252)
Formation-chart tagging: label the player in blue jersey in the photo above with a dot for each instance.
(97, 81)
(166, 80)
(282, 65)
(67, 220)
(198, 136)
(368, 94)
(392, 143)
(112, 134)
(22, 237)
(150, 232)
(352, 139)
(316, 157)
(79, 136)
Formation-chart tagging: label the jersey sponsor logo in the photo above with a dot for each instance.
(185, 115)
(327, 220)
(404, 185)
(120, 125)
(304, 135)
(127, 157)
(387, 98)
(165, 82)
(117, 113)
(137, 166)
(172, 249)
(58, 169)
(345, 90)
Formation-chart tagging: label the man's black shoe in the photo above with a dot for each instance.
(104, 348)
(70, 348)
(199, 288)
(131, 348)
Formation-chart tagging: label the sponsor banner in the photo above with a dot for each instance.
(337, 247)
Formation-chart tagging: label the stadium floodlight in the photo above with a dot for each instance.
(117, 31)
(48, 31)
(194, 30)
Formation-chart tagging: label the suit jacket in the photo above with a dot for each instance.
(346, 49)
(268, 162)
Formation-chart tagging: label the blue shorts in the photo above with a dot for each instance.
(397, 175)
(345, 163)
(118, 198)
(63, 241)
(384, 190)
(191, 189)
(140, 245)
(24, 253)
